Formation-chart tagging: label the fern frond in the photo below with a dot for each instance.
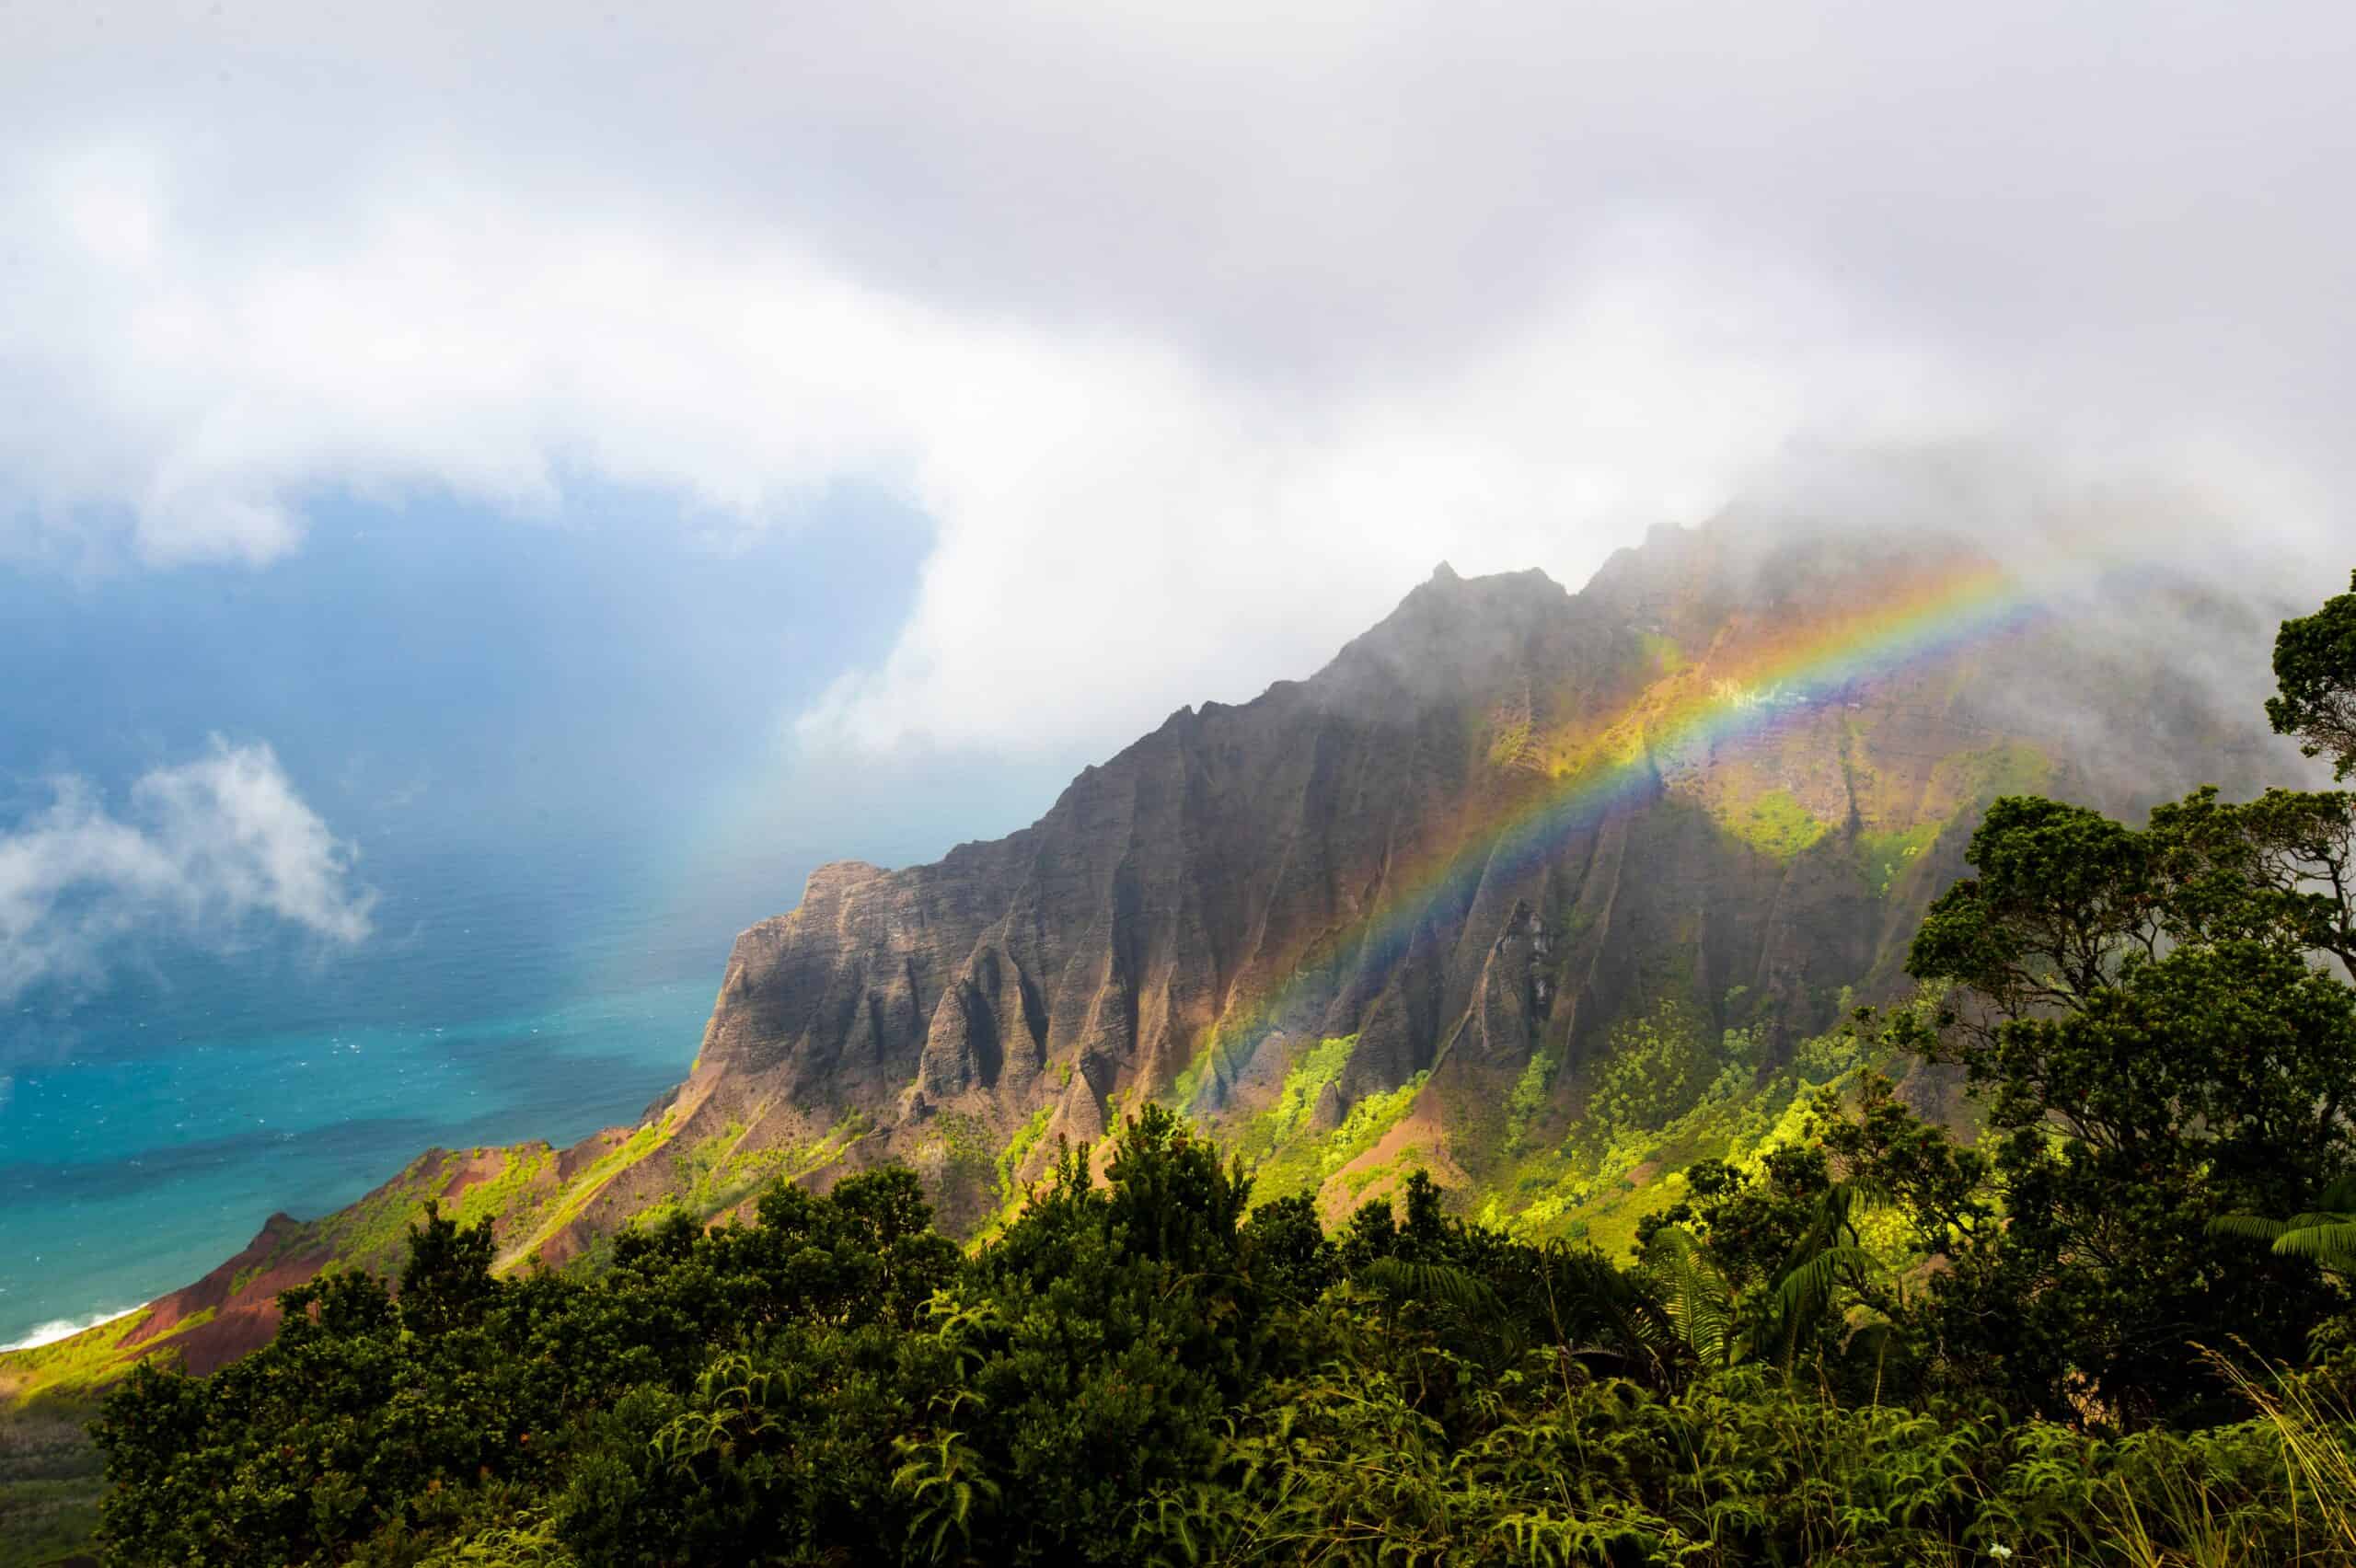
(1700, 1304)
(2248, 1227)
(1442, 1283)
(2314, 1221)
(1806, 1288)
(2333, 1246)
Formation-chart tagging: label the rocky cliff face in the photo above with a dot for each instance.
(1241, 911)
(1482, 896)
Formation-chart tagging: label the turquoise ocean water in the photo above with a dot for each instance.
(541, 740)
(150, 1131)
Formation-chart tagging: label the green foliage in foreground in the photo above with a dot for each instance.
(2115, 1332)
(1141, 1372)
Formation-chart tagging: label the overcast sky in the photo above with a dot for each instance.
(1194, 333)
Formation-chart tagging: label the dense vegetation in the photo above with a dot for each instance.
(2114, 1327)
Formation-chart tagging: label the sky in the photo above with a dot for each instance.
(964, 388)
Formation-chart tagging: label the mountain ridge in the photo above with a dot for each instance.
(1311, 921)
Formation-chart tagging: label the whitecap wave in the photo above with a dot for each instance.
(66, 1328)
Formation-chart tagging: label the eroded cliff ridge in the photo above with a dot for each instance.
(1547, 893)
(1519, 869)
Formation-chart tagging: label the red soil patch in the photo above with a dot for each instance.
(588, 1151)
(242, 1320)
(482, 1165)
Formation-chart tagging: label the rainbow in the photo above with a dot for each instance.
(1733, 691)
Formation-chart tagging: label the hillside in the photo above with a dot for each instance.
(1546, 893)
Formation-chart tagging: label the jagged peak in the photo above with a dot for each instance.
(1446, 628)
(837, 875)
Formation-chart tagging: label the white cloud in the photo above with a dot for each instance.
(1124, 533)
(1199, 334)
(209, 848)
(1120, 527)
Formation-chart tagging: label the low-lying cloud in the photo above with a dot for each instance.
(1198, 336)
(208, 851)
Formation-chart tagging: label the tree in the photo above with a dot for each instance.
(2315, 672)
(2153, 1023)
(1766, 1265)
(446, 1281)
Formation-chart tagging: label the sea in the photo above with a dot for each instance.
(563, 753)
(151, 1129)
